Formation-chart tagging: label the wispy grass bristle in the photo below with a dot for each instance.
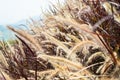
(76, 40)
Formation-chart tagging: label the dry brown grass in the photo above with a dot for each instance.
(72, 43)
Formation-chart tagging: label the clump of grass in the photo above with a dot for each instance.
(79, 40)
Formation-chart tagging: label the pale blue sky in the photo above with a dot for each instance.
(16, 11)
(12, 11)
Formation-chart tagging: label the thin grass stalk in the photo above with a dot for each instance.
(109, 50)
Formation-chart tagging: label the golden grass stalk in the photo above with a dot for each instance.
(3, 60)
(79, 46)
(57, 42)
(61, 60)
(26, 36)
(5, 75)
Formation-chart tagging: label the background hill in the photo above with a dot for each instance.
(7, 34)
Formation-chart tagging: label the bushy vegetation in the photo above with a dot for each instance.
(76, 41)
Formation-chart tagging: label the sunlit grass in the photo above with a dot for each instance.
(73, 42)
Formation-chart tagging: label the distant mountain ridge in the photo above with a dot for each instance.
(6, 34)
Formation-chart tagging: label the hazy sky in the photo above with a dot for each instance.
(12, 11)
